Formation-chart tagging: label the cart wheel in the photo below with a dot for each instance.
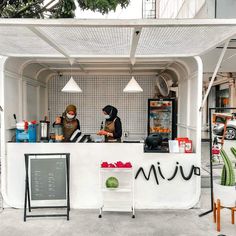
(100, 216)
(133, 216)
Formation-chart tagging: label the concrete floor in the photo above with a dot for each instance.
(86, 222)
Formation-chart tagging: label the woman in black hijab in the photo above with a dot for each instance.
(113, 127)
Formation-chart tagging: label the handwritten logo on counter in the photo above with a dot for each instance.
(194, 170)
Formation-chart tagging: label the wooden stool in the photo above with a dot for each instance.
(233, 209)
(216, 213)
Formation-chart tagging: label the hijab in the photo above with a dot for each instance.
(111, 111)
(68, 109)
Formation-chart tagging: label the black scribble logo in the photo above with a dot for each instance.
(194, 170)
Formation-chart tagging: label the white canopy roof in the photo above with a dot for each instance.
(72, 38)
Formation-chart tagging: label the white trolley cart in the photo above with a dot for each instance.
(121, 198)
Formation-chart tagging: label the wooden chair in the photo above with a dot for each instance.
(216, 213)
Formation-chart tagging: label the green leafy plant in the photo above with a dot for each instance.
(227, 175)
(55, 8)
(233, 150)
(102, 6)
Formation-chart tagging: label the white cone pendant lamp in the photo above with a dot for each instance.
(71, 87)
(132, 87)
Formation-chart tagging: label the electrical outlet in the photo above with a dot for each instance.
(126, 134)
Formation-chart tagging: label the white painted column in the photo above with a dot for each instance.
(24, 100)
(3, 134)
(38, 103)
(232, 93)
(204, 111)
(2, 122)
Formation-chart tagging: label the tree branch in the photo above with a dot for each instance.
(55, 5)
(47, 5)
(28, 6)
(3, 3)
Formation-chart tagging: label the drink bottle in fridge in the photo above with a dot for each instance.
(162, 118)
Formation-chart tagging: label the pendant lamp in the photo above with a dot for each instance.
(132, 87)
(71, 86)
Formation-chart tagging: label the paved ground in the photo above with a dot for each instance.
(86, 223)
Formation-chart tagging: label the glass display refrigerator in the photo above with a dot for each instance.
(162, 118)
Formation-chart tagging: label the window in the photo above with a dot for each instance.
(149, 9)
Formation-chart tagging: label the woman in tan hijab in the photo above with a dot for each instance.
(70, 125)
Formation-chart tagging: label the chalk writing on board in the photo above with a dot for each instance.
(48, 178)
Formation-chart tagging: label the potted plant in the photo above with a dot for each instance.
(225, 189)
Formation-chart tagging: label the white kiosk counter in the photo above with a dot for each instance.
(85, 159)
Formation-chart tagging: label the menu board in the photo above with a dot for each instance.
(48, 178)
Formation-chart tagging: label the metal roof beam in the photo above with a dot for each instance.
(134, 43)
(228, 58)
(48, 40)
(51, 42)
(116, 22)
(214, 74)
(215, 45)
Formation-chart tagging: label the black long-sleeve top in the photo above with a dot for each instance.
(118, 128)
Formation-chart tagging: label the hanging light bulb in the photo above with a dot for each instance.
(71, 86)
(132, 87)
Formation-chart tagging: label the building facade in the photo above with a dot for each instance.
(198, 9)
(223, 92)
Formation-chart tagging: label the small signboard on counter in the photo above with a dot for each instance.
(185, 145)
(173, 146)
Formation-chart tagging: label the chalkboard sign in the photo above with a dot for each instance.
(47, 181)
(48, 178)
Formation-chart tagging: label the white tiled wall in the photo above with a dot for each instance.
(99, 91)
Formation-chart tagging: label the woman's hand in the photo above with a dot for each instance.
(102, 132)
(109, 134)
(58, 120)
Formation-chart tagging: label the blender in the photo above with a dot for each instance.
(44, 130)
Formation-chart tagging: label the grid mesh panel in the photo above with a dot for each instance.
(20, 40)
(99, 91)
(83, 40)
(181, 40)
(91, 40)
